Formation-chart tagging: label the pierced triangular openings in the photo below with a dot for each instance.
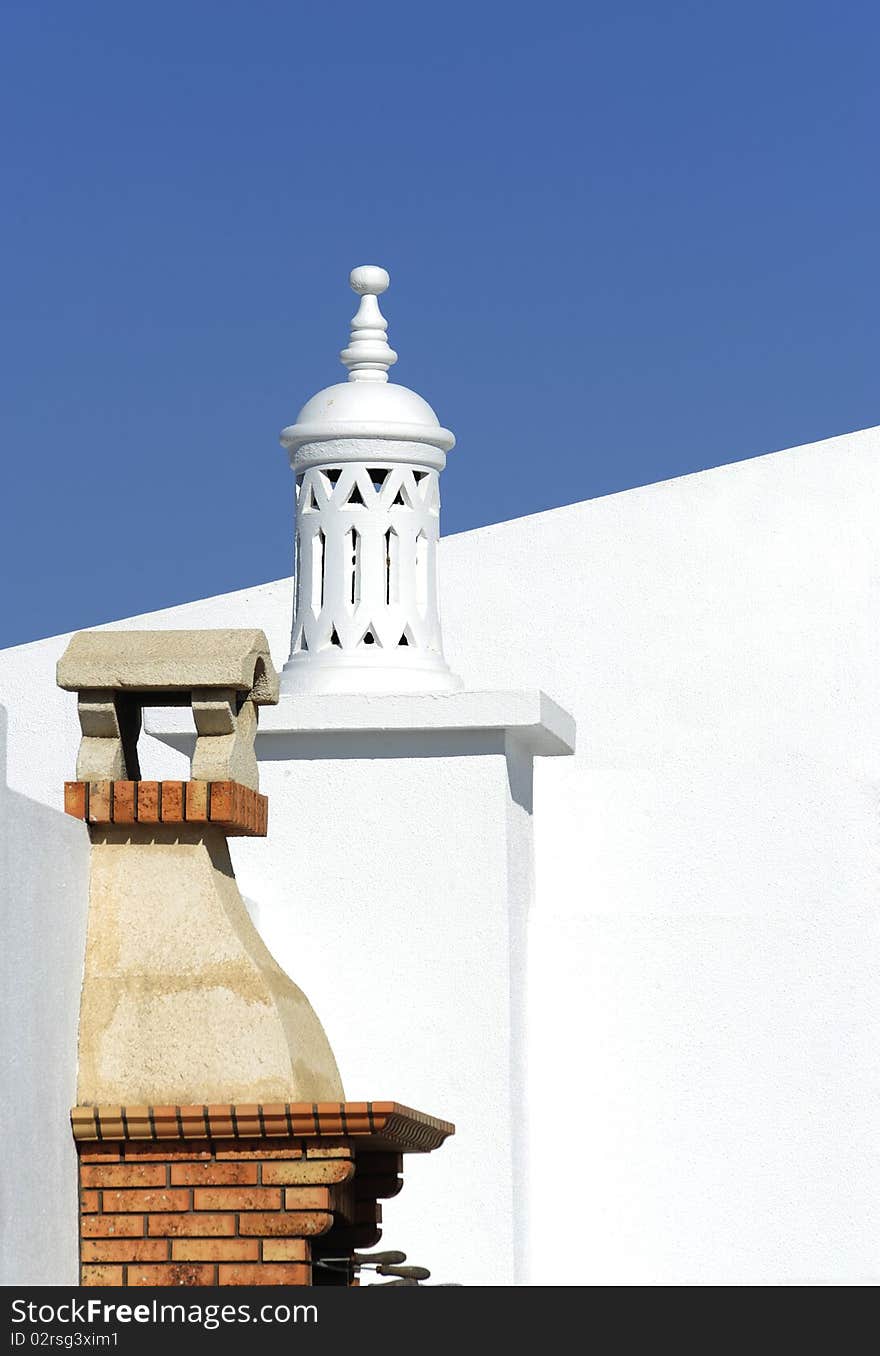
(334, 638)
(378, 475)
(369, 637)
(355, 497)
(303, 643)
(403, 498)
(329, 480)
(308, 502)
(407, 637)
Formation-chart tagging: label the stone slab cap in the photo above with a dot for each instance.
(170, 661)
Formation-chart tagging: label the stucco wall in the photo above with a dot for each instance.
(44, 859)
(704, 948)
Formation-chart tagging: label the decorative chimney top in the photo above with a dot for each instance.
(368, 356)
(367, 456)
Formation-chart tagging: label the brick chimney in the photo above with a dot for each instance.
(215, 1145)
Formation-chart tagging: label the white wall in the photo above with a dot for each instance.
(44, 860)
(705, 988)
(385, 886)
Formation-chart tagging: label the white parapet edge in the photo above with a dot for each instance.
(531, 717)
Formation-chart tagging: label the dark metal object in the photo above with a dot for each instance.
(370, 1259)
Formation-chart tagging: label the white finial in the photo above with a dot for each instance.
(368, 356)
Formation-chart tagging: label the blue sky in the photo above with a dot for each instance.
(626, 241)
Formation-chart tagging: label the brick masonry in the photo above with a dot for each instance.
(238, 1197)
(229, 806)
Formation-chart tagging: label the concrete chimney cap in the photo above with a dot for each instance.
(170, 661)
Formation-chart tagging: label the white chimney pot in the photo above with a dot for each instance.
(367, 455)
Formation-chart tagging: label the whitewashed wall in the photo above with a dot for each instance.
(705, 986)
(44, 863)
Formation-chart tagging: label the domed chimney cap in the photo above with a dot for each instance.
(367, 405)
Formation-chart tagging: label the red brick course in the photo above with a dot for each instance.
(236, 1195)
(236, 809)
(174, 1212)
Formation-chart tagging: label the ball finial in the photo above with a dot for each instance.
(369, 280)
(368, 356)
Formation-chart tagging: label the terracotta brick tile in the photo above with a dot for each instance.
(124, 1249)
(237, 1198)
(191, 1226)
(172, 1273)
(194, 1121)
(123, 1175)
(329, 1148)
(172, 803)
(76, 799)
(308, 1172)
(306, 1198)
(137, 1119)
(111, 1123)
(165, 1122)
(146, 1201)
(239, 1273)
(112, 1226)
(291, 1225)
(97, 1152)
(357, 1122)
(148, 803)
(221, 802)
(213, 1174)
(84, 1123)
(285, 1250)
(197, 802)
(88, 1202)
(302, 1119)
(124, 802)
(182, 1151)
(275, 1118)
(100, 802)
(220, 1121)
(92, 1275)
(215, 1249)
(247, 1119)
(246, 1150)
